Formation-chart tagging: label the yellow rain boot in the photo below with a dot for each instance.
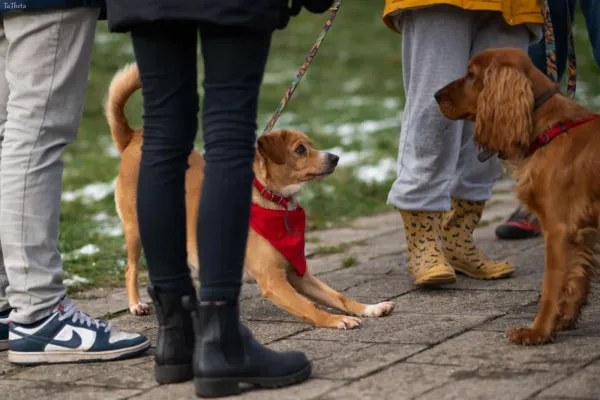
(459, 248)
(426, 262)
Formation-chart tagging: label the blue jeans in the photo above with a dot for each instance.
(558, 14)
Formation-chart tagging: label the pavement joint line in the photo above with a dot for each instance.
(404, 359)
(569, 375)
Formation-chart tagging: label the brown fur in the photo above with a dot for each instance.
(558, 183)
(285, 160)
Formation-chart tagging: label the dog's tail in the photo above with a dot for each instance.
(125, 82)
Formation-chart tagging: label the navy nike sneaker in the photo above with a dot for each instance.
(4, 329)
(69, 335)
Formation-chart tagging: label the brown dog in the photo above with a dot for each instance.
(284, 162)
(554, 144)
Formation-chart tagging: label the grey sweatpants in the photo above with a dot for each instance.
(437, 157)
(44, 63)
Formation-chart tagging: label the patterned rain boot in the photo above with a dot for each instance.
(459, 248)
(426, 261)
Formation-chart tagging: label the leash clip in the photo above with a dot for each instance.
(545, 138)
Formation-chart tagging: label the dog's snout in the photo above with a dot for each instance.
(333, 159)
(438, 95)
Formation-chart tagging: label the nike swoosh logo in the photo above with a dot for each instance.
(73, 343)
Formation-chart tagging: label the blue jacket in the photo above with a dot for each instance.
(11, 5)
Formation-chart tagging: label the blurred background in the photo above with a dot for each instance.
(350, 102)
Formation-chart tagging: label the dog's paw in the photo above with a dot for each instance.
(528, 336)
(343, 322)
(139, 309)
(378, 310)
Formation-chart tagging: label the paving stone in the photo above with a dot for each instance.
(449, 301)
(485, 384)
(18, 390)
(583, 384)
(126, 378)
(399, 328)
(493, 350)
(529, 274)
(383, 265)
(336, 360)
(588, 326)
(310, 389)
(380, 289)
(261, 309)
(68, 373)
(399, 382)
(267, 332)
(5, 366)
(99, 302)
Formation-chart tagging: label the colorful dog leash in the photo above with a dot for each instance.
(550, 44)
(288, 94)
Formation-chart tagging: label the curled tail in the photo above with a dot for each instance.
(125, 82)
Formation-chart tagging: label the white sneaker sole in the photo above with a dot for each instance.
(72, 356)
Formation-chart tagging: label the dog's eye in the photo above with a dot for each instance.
(301, 149)
(470, 75)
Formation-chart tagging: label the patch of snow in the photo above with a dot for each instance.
(391, 103)
(348, 102)
(378, 172)
(351, 131)
(111, 230)
(92, 192)
(104, 38)
(352, 85)
(74, 280)
(112, 152)
(87, 250)
(274, 78)
(347, 158)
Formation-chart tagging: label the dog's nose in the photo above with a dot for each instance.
(438, 95)
(333, 159)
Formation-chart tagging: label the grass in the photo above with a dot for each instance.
(349, 262)
(350, 100)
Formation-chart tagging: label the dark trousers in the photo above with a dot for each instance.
(234, 62)
(558, 14)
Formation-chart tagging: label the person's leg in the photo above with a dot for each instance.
(591, 12)
(47, 67)
(429, 143)
(229, 125)
(4, 306)
(166, 55)
(521, 224)
(472, 186)
(226, 352)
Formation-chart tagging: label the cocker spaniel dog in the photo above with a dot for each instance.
(553, 143)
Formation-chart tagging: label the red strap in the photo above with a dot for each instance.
(556, 130)
(267, 194)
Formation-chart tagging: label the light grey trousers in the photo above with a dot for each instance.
(45, 57)
(437, 158)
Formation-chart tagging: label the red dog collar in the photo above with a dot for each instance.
(284, 229)
(557, 130)
(267, 194)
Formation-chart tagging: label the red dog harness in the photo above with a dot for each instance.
(556, 130)
(284, 229)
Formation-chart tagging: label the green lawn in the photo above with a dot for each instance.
(350, 100)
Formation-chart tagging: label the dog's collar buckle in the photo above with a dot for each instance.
(269, 195)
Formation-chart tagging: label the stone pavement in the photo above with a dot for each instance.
(437, 344)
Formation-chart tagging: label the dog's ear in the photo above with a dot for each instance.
(504, 110)
(272, 146)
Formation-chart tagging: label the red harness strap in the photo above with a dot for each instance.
(273, 225)
(556, 130)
